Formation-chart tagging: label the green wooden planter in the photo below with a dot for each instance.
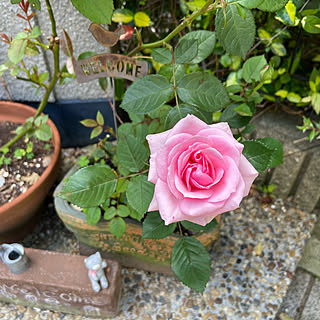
(131, 250)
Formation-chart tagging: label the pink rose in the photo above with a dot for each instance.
(198, 171)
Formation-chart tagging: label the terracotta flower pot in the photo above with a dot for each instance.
(131, 250)
(19, 216)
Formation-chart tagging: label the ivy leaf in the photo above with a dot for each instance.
(131, 153)
(90, 186)
(203, 90)
(99, 12)
(93, 215)
(263, 153)
(252, 68)
(147, 94)
(206, 42)
(139, 193)
(154, 227)
(186, 51)
(162, 55)
(237, 34)
(272, 5)
(117, 226)
(190, 262)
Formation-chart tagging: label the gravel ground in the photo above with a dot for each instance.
(253, 263)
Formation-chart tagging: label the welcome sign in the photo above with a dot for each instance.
(109, 65)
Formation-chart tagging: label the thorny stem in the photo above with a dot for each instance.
(49, 88)
(141, 46)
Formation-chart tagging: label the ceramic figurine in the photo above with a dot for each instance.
(95, 265)
(14, 257)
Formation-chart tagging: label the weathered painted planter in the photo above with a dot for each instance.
(131, 250)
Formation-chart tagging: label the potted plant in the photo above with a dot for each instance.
(29, 157)
(172, 169)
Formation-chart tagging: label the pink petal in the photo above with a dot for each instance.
(156, 141)
(190, 124)
(248, 172)
(223, 126)
(153, 206)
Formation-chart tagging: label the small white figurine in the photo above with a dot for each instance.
(95, 265)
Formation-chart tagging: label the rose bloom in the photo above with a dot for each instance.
(198, 170)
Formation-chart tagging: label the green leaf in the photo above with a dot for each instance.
(123, 211)
(244, 110)
(31, 49)
(190, 262)
(196, 228)
(96, 132)
(135, 214)
(314, 81)
(315, 101)
(185, 51)
(109, 213)
(176, 114)
(293, 97)
(237, 35)
(179, 71)
(279, 49)
(206, 42)
(147, 94)
(234, 119)
(263, 153)
(122, 15)
(35, 33)
(252, 68)
(17, 49)
(117, 226)
(131, 153)
(93, 215)
(99, 12)
(311, 24)
(36, 4)
(203, 90)
(282, 93)
(162, 55)
(272, 5)
(154, 227)
(287, 15)
(139, 193)
(90, 186)
(99, 118)
(89, 123)
(141, 19)
(86, 54)
(43, 132)
(241, 10)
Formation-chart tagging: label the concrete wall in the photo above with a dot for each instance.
(75, 24)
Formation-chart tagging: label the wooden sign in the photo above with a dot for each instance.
(109, 65)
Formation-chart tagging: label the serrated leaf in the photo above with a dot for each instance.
(100, 12)
(90, 186)
(272, 5)
(122, 15)
(234, 119)
(190, 262)
(198, 228)
(185, 51)
(131, 153)
(117, 226)
(139, 193)
(203, 90)
(141, 19)
(241, 10)
(252, 68)
(237, 34)
(162, 55)
(206, 41)
(179, 71)
(93, 215)
(250, 4)
(176, 114)
(263, 153)
(135, 214)
(43, 132)
(147, 94)
(311, 24)
(17, 49)
(155, 228)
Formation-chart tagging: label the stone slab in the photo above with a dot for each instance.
(60, 282)
(312, 308)
(295, 295)
(310, 260)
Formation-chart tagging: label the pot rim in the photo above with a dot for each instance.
(55, 158)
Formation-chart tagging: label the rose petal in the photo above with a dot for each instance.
(190, 124)
(248, 172)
